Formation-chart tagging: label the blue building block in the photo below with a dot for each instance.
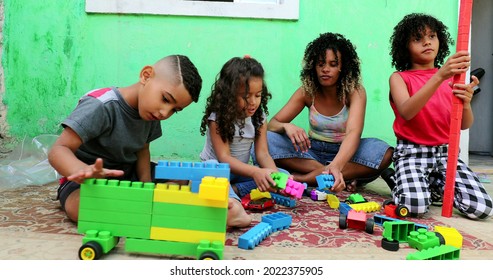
(269, 224)
(175, 170)
(325, 182)
(344, 208)
(278, 220)
(380, 219)
(283, 200)
(254, 236)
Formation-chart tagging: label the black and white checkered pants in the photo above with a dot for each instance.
(418, 168)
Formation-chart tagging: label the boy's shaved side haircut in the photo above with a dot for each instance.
(179, 69)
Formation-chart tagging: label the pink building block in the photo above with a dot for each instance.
(294, 188)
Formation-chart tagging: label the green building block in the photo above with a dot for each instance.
(397, 230)
(101, 216)
(114, 205)
(206, 247)
(174, 248)
(185, 211)
(442, 252)
(423, 239)
(355, 198)
(280, 178)
(119, 190)
(116, 230)
(104, 238)
(189, 217)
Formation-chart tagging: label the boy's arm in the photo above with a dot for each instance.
(143, 164)
(62, 157)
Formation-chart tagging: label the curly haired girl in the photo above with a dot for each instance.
(235, 122)
(332, 91)
(421, 98)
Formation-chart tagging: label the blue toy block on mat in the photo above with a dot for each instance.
(325, 182)
(283, 200)
(254, 236)
(269, 224)
(278, 221)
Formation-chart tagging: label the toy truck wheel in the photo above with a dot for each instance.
(387, 202)
(209, 256)
(90, 251)
(441, 239)
(402, 211)
(342, 221)
(390, 245)
(369, 226)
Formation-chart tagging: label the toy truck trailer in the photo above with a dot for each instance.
(156, 218)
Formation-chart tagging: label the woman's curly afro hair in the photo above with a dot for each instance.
(350, 76)
(413, 26)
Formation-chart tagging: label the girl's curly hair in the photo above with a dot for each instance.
(350, 76)
(223, 99)
(414, 25)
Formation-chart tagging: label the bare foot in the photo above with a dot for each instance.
(237, 217)
(351, 187)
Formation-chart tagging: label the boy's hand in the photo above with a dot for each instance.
(465, 92)
(95, 170)
(263, 179)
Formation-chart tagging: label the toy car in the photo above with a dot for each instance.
(357, 220)
(395, 211)
(259, 204)
(317, 195)
(355, 198)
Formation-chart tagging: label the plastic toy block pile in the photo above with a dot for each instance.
(443, 244)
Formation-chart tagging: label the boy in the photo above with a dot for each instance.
(108, 133)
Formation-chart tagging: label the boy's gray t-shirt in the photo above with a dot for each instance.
(110, 129)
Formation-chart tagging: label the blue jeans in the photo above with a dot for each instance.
(370, 152)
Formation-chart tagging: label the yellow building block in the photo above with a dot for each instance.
(256, 194)
(172, 193)
(333, 201)
(214, 188)
(367, 207)
(190, 236)
(451, 235)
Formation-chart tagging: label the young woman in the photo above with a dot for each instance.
(332, 91)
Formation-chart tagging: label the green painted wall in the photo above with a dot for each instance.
(54, 52)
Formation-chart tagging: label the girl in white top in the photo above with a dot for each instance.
(235, 122)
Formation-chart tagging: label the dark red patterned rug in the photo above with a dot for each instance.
(315, 224)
